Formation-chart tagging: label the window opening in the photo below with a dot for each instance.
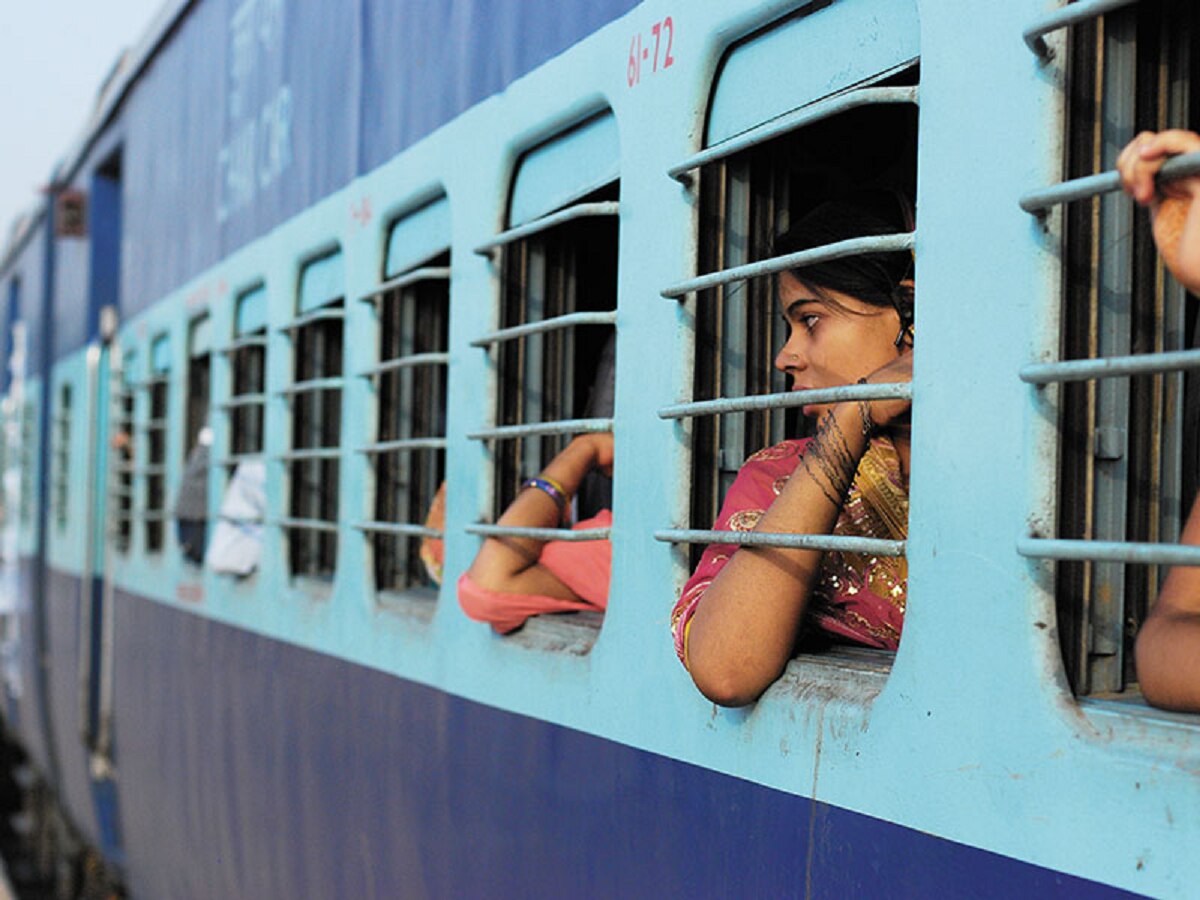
(1129, 446)
(315, 396)
(122, 449)
(248, 365)
(155, 428)
(62, 458)
(28, 462)
(191, 500)
(409, 455)
(554, 351)
(860, 148)
(548, 376)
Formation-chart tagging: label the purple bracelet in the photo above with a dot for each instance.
(552, 489)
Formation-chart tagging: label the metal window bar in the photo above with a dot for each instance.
(403, 529)
(555, 323)
(313, 385)
(570, 214)
(323, 314)
(840, 250)
(846, 392)
(154, 515)
(429, 273)
(541, 534)
(1111, 367)
(155, 425)
(838, 542)
(242, 400)
(1040, 201)
(153, 381)
(294, 524)
(426, 443)
(309, 453)
(1109, 551)
(538, 429)
(1072, 14)
(411, 361)
(233, 459)
(793, 121)
(243, 343)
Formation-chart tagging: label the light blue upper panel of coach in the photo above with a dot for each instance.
(561, 171)
(888, 34)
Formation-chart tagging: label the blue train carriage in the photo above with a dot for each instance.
(400, 267)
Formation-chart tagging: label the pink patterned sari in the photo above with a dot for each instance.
(857, 599)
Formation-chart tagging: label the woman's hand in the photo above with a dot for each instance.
(600, 448)
(1176, 215)
(885, 413)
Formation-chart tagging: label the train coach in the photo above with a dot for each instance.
(359, 250)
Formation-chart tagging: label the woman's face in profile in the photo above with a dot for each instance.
(833, 338)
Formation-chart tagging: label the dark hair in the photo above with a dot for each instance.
(874, 278)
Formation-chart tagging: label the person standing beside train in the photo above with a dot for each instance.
(1168, 646)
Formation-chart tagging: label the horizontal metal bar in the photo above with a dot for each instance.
(791, 121)
(886, 243)
(413, 360)
(841, 543)
(425, 443)
(305, 524)
(310, 453)
(234, 458)
(556, 323)
(1110, 551)
(429, 273)
(846, 392)
(1111, 367)
(570, 214)
(1064, 17)
(563, 426)
(155, 425)
(324, 314)
(240, 520)
(311, 386)
(239, 400)
(541, 534)
(405, 529)
(244, 343)
(1039, 201)
(147, 383)
(153, 515)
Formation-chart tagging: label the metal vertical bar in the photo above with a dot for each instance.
(1114, 297)
(734, 330)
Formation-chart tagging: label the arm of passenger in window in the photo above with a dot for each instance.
(1168, 647)
(510, 564)
(742, 634)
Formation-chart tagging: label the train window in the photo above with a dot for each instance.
(62, 458)
(412, 309)
(121, 448)
(315, 396)
(198, 376)
(554, 351)
(247, 354)
(768, 160)
(156, 429)
(1128, 445)
(28, 461)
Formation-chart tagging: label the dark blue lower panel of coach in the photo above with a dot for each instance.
(252, 768)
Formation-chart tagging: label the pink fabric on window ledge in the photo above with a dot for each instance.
(585, 567)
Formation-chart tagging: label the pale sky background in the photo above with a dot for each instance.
(54, 55)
